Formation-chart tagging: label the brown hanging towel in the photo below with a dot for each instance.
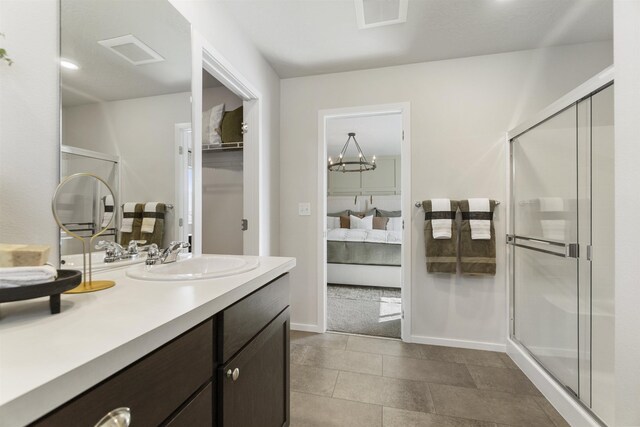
(442, 256)
(477, 253)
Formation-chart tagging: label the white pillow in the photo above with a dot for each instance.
(394, 224)
(333, 222)
(211, 122)
(365, 223)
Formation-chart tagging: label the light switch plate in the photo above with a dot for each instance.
(304, 209)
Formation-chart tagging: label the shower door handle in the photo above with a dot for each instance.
(568, 250)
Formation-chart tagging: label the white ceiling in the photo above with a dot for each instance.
(103, 75)
(305, 37)
(378, 135)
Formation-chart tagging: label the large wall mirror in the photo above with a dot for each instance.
(125, 90)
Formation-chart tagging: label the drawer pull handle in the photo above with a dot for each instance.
(120, 417)
(233, 374)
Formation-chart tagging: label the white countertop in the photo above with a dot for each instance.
(46, 360)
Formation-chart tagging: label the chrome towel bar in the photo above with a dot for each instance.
(419, 204)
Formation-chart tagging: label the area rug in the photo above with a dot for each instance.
(364, 310)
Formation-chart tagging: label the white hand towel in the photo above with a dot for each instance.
(480, 228)
(149, 222)
(11, 277)
(127, 220)
(553, 229)
(108, 211)
(441, 227)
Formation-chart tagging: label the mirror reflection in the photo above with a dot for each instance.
(126, 117)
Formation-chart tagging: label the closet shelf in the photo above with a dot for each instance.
(225, 146)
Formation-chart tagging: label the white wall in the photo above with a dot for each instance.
(460, 111)
(142, 132)
(213, 96)
(627, 179)
(211, 20)
(29, 123)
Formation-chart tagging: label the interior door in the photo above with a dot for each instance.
(545, 245)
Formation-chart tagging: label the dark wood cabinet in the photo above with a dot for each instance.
(254, 384)
(190, 380)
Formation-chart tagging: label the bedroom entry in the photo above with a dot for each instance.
(365, 244)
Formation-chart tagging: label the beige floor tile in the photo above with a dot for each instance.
(488, 405)
(310, 379)
(441, 353)
(297, 353)
(392, 417)
(308, 410)
(338, 341)
(482, 358)
(393, 392)
(508, 362)
(427, 370)
(551, 412)
(501, 379)
(383, 346)
(343, 360)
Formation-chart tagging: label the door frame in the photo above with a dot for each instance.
(205, 56)
(183, 134)
(402, 108)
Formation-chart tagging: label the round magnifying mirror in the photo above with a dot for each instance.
(84, 208)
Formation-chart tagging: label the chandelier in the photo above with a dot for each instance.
(360, 165)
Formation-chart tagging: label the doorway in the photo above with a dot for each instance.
(364, 197)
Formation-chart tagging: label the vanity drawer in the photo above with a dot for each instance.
(239, 323)
(198, 412)
(153, 387)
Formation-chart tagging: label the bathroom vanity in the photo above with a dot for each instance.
(190, 353)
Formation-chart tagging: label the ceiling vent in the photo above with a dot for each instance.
(132, 49)
(377, 13)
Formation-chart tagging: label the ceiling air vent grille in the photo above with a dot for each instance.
(376, 13)
(130, 48)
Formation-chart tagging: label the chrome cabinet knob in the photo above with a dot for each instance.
(233, 374)
(119, 417)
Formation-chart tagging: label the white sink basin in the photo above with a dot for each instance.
(195, 268)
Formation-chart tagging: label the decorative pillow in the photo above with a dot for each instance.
(333, 222)
(380, 223)
(365, 223)
(339, 214)
(388, 214)
(363, 214)
(344, 222)
(394, 224)
(232, 126)
(211, 122)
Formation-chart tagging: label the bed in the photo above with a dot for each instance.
(365, 257)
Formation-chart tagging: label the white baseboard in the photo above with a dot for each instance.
(305, 327)
(450, 342)
(565, 404)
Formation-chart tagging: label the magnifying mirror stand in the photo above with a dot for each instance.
(88, 285)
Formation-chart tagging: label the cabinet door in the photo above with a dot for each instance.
(254, 385)
(197, 412)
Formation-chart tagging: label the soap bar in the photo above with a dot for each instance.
(23, 255)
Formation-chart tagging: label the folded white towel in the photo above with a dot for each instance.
(441, 227)
(480, 228)
(11, 277)
(149, 222)
(108, 211)
(553, 229)
(127, 222)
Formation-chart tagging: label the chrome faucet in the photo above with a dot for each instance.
(115, 252)
(155, 256)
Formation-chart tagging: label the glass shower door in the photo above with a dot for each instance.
(544, 241)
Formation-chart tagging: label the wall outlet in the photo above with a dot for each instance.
(304, 209)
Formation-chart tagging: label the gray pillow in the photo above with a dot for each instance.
(339, 214)
(363, 214)
(388, 214)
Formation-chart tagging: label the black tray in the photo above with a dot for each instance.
(67, 279)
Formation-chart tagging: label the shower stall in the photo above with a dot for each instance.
(561, 239)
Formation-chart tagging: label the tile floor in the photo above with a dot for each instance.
(350, 380)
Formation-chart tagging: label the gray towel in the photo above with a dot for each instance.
(442, 254)
(477, 257)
